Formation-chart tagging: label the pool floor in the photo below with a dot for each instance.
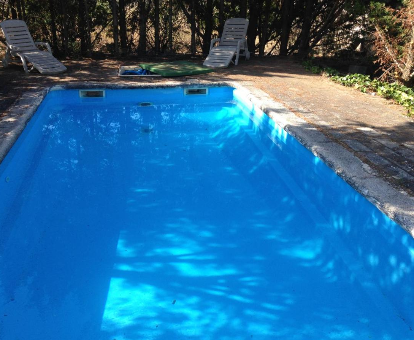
(173, 222)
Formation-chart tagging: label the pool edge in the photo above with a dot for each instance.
(396, 204)
(18, 117)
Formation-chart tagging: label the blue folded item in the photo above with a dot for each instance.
(132, 72)
(140, 72)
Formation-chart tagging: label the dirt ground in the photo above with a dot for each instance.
(374, 129)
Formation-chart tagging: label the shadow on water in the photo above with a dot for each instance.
(172, 221)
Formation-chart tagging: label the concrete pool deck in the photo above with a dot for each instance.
(365, 139)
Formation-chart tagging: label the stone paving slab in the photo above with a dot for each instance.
(356, 146)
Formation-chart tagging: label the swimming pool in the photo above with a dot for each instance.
(151, 214)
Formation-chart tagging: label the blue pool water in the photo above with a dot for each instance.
(194, 217)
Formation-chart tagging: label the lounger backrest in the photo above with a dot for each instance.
(17, 35)
(235, 29)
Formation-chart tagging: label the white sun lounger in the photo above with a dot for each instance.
(20, 44)
(232, 43)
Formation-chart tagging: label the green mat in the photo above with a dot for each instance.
(176, 68)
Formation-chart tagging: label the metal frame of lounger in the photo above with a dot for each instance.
(20, 44)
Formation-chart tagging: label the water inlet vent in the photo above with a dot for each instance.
(196, 91)
(92, 93)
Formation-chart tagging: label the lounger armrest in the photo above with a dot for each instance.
(45, 44)
(213, 41)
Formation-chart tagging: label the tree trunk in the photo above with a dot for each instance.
(65, 28)
(170, 26)
(115, 25)
(52, 11)
(221, 16)
(188, 16)
(243, 8)
(13, 9)
(23, 6)
(143, 17)
(265, 27)
(122, 27)
(193, 28)
(19, 9)
(209, 26)
(88, 32)
(82, 26)
(157, 26)
(252, 30)
(306, 28)
(286, 26)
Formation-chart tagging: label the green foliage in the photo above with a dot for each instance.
(401, 94)
(382, 16)
(309, 66)
(359, 81)
(330, 72)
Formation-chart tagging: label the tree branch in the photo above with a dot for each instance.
(388, 48)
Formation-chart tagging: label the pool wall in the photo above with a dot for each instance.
(394, 203)
(392, 269)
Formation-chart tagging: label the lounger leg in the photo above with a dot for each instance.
(246, 52)
(237, 54)
(237, 58)
(23, 59)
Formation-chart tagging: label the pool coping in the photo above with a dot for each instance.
(396, 204)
